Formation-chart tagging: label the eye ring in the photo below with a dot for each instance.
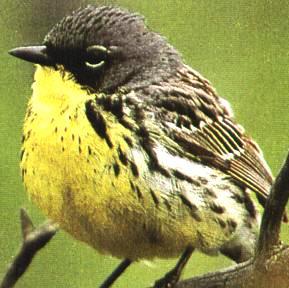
(96, 56)
(94, 66)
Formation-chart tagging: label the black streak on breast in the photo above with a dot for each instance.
(97, 121)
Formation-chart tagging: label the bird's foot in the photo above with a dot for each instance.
(169, 280)
(173, 276)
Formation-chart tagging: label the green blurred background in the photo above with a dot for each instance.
(240, 45)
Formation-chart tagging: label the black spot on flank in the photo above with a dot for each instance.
(128, 140)
(22, 139)
(132, 185)
(97, 121)
(65, 129)
(221, 222)
(239, 198)
(79, 140)
(94, 170)
(217, 208)
(116, 169)
(232, 225)
(134, 169)
(89, 150)
(250, 206)
(192, 208)
(136, 189)
(187, 202)
(127, 124)
(72, 137)
(61, 138)
(122, 156)
(28, 135)
(210, 192)
(139, 195)
(196, 216)
(79, 149)
(167, 204)
(63, 149)
(184, 177)
(22, 153)
(55, 129)
(154, 197)
(148, 145)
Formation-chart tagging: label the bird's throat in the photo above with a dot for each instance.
(55, 88)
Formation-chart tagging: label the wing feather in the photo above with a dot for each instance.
(213, 136)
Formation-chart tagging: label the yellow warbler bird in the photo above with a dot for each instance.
(132, 151)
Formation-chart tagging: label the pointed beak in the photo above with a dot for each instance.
(34, 54)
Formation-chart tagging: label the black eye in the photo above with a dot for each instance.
(96, 56)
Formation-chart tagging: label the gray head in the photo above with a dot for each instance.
(105, 48)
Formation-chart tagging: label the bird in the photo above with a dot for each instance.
(132, 151)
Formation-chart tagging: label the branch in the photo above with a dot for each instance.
(33, 240)
(274, 210)
(270, 265)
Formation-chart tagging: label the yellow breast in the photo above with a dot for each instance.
(82, 183)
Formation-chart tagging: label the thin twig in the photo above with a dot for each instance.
(33, 240)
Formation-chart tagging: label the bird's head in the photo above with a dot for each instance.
(105, 48)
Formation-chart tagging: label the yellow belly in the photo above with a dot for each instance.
(69, 172)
